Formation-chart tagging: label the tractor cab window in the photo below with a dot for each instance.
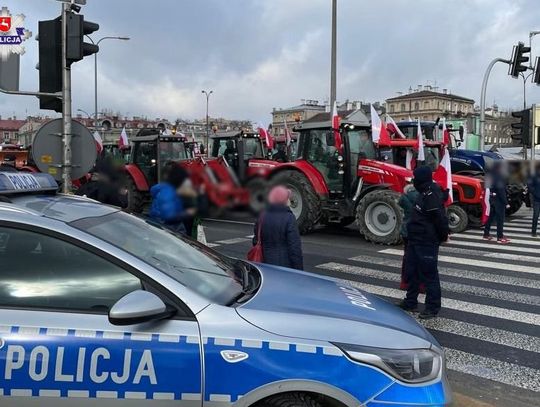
(226, 148)
(361, 145)
(172, 151)
(432, 157)
(252, 148)
(411, 132)
(146, 159)
(323, 154)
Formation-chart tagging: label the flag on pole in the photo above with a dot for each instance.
(486, 206)
(335, 127)
(379, 134)
(443, 176)
(265, 135)
(420, 138)
(123, 141)
(445, 133)
(393, 127)
(288, 136)
(409, 159)
(99, 141)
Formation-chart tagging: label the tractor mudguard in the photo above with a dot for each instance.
(314, 177)
(137, 176)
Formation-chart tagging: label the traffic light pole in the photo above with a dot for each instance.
(483, 100)
(66, 106)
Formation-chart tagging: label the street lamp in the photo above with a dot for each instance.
(85, 112)
(96, 71)
(207, 94)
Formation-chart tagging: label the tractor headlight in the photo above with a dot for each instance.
(407, 365)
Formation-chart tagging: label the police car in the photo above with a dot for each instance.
(102, 308)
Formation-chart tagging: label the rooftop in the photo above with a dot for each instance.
(429, 93)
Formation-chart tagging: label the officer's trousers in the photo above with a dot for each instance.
(421, 266)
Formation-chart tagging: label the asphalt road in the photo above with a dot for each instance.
(490, 321)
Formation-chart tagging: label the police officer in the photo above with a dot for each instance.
(427, 229)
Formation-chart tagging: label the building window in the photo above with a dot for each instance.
(6, 136)
(417, 106)
(391, 108)
(403, 107)
(426, 105)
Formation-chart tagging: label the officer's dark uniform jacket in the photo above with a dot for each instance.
(428, 223)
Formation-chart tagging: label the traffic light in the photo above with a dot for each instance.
(523, 127)
(50, 63)
(518, 58)
(77, 28)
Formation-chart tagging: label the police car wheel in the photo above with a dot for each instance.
(290, 400)
(458, 220)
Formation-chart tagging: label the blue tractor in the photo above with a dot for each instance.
(469, 162)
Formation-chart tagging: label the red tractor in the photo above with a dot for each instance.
(151, 152)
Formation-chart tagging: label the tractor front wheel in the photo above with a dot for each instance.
(458, 220)
(379, 217)
(258, 190)
(305, 203)
(135, 197)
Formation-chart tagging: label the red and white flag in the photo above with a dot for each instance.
(379, 134)
(420, 138)
(486, 206)
(335, 127)
(288, 136)
(409, 159)
(99, 141)
(445, 133)
(393, 127)
(123, 141)
(265, 135)
(443, 176)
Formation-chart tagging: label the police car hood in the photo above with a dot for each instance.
(301, 305)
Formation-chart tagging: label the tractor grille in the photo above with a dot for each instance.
(468, 191)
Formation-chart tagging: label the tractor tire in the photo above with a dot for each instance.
(290, 400)
(305, 203)
(458, 220)
(258, 190)
(379, 217)
(136, 198)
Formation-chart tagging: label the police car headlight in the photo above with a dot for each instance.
(407, 365)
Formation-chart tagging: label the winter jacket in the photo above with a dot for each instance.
(534, 187)
(103, 192)
(167, 207)
(280, 237)
(497, 190)
(428, 223)
(407, 201)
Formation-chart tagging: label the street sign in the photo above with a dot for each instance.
(47, 149)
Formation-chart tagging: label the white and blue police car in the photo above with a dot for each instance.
(101, 308)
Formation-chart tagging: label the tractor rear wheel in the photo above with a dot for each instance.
(257, 194)
(379, 217)
(458, 220)
(305, 203)
(135, 197)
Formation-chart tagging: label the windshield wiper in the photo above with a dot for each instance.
(247, 290)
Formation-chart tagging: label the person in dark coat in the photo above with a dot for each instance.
(280, 237)
(426, 230)
(496, 182)
(167, 205)
(406, 201)
(533, 185)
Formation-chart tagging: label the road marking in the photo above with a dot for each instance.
(234, 240)
(487, 368)
(496, 255)
(212, 244)
(475, 262)
(454, 287)
(483, 333)
(457, 305)
(480, 237)
(458, 272)
(507, 234)
(494, 246)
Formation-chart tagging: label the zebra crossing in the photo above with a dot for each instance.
(490, 321)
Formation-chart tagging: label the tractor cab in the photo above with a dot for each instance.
(283, 152)
(151, 152)
(238, 149)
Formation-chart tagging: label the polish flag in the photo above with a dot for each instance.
(379, 134)
(123, 141)
(420, 137)
(486, 206)
(393, 127)
(409, 159)
(335, 127)
(443, 176)
(99, 142)
(288, 136)
(265, 135)
(445, 132)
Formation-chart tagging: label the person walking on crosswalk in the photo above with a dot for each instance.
(533, 185)
(496, 182)
(427, 229)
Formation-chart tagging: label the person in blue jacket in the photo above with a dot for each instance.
(280, 237)
(167, 205)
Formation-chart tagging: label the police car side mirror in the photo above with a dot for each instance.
(137, 307)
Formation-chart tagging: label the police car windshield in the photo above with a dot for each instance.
(204, 271)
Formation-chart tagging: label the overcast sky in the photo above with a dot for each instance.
(260, 54)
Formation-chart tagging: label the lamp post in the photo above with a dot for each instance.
(96, 73)
(207, 94)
